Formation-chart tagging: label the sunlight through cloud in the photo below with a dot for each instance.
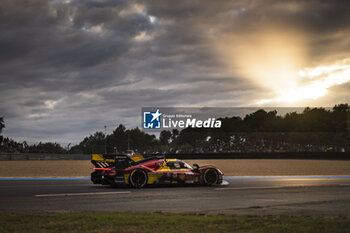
(322, 78)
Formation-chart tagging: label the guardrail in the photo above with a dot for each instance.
(236, 155)
(263, 155)
(34, 156)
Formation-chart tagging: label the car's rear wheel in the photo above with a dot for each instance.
(210, 177)
(138, 178)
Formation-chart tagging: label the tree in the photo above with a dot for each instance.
(174, 134)
(93, 144)
(164, 137)
(135, 139)
(341, 108)
(118, 139)
(2, 124)
(139, 140)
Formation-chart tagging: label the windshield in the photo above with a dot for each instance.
(187, 166)
(178, 165)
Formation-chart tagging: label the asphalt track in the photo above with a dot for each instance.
(310, 195)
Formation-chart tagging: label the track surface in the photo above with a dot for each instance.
(316, 196)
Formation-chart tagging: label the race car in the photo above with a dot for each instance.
(137, 171)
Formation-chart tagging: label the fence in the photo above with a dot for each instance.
(253, 155)
(264, 155)
(34, 156)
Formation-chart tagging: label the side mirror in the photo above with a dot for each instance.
(195, 166)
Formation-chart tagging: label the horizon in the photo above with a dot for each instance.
(236, 112)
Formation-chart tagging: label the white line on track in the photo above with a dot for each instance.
(277, 187)
(243, 188)
(225, 183)
(79, 194)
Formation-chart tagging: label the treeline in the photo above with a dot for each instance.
(314, 129)
(120, 140)
(12, 146)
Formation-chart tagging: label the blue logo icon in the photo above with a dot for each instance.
(151, 120)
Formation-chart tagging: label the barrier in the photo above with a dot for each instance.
(236, 155)
(37, 156)
(263, 155)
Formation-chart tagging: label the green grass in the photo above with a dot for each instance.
(162, 222)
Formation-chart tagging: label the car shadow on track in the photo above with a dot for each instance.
(158, 186)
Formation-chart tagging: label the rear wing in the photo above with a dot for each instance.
(117, 160)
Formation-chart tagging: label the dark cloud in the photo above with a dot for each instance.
(69, 67)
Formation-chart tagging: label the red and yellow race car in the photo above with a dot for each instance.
(137, 171)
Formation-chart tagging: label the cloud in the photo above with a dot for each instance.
(69, 67)
(318, 81)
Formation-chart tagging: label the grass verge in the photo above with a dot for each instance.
(163, 222)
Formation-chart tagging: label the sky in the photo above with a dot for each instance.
(67, 67)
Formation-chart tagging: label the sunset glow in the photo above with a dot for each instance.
(319, 80)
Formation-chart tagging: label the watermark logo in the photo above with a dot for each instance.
(157, 119)
(152, 120)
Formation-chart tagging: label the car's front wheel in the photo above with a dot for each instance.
(210, 177)
(138, 178)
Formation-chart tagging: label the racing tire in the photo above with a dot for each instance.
(138, 178)
(210, 177)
